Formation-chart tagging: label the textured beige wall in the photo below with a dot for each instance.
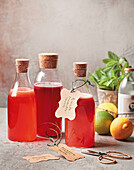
(79, 30)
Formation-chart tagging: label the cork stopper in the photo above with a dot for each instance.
(80, 69)
(129, 69)
(48, 60)
(22, 65)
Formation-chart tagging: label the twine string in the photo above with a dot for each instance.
(58, 136)
(85, 83)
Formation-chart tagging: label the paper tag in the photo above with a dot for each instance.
(68, 153)
(67, 104)
(38, 158)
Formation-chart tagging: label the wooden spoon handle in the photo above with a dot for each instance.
(126, 156)
(112, 161)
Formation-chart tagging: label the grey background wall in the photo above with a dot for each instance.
(79, 30)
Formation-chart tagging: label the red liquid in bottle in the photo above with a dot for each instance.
(22, 125)
(80, 131)
(47, 98)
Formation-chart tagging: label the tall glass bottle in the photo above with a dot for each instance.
(80, 131)
(47, 89)
(126, 95)
(22, 125)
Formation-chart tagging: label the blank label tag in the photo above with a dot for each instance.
(38, 158)
(67, 104)
(68, 153)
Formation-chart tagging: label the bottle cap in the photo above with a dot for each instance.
(48, 60)
(22, 65)
(80, 69)
(129, 69)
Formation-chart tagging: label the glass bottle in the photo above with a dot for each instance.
(47, 89)
(22, 121)
(80, 131)
(126, 95)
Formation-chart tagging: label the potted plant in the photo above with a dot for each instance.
(109, 78)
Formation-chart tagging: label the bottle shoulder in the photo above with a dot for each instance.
(126, 86)
(21, 92)
(22, 81)
(48, 75)
(40, 76)
(48, 85)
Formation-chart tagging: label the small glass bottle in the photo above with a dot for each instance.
(80, 131)
(126, 95)
(47, 89)
(22, 121)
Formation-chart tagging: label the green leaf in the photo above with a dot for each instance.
(107, 69)
(104, 87)
(104, 80)
(107, 60)
(113, 56)
(126, 65)
(121, 60)
(92, 78)
(110, 76)
(121, 78)
(117, 69)
(113, 73)
(116, 66)
(110, 82)
(117, 73)
(111, 63)
(97, 74)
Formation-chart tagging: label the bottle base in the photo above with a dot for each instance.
(45, 136)
(76, 146)
(22, 140)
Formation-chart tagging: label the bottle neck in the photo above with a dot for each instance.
(22, 80)
(79, 82)
(80, 78)
(130, 76)
(48, 69)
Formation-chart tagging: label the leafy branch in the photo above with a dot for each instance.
(110, 76)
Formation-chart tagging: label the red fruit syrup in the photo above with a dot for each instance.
(47, 98)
